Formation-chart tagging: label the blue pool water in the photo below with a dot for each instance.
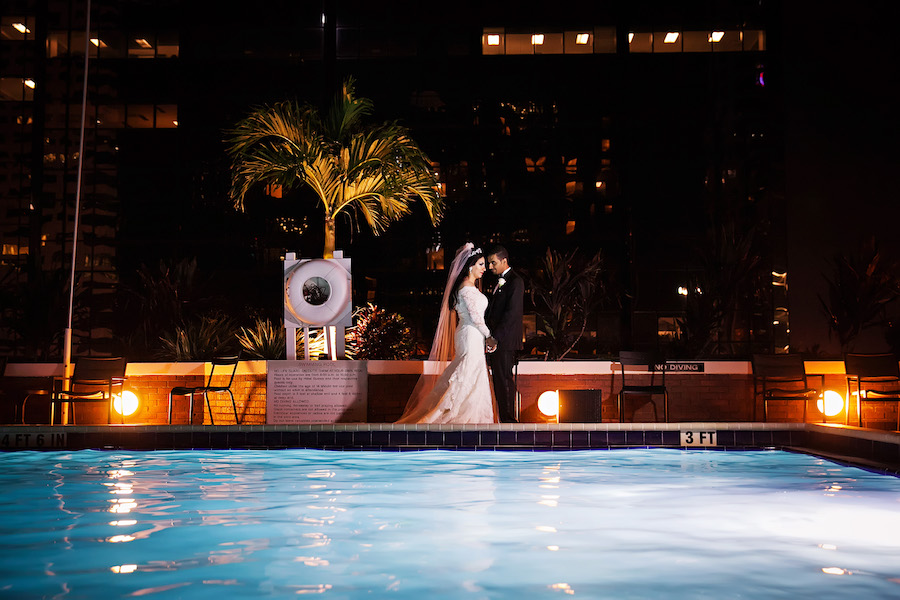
(593, 524)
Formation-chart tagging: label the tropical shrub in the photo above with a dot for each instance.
(263, 340)
(380, 335)
(199, 338)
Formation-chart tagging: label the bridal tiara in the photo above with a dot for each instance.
(474, 252)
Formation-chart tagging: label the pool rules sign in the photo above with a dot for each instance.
(316, 391)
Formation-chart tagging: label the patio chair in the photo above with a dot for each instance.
(656, 386)
(782, 378)
(877, 378)
(221, 365)
(94, 379)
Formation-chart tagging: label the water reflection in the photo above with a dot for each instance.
(473, 524)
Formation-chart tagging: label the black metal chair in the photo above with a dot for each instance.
(220, 364)
(781, 377)
(657, 385)
(877, 378)
(95, 379)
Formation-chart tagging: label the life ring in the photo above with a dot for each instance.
(313, 302)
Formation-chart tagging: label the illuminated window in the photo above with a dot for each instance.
(166, 116)
(142, 46)
(666, 41)
(729, 41)
(493, 41)
(535, 165)
(549, 43)
(640, 41)
(16, 89)
(17, 28)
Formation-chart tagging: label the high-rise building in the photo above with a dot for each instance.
(648, 131)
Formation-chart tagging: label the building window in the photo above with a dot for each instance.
(17, 89)
(17, 28)
(590, 40)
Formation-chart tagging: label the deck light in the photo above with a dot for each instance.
(831, 403)
(29, 83)
(126, 403)
(671, 37)
(493, 39)
(143, 43)
(582, 38)
(716, 36)
(630, 37)
(537, 39)
(20, 27)
(548, 403)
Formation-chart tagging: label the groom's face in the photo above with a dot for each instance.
(496, 266)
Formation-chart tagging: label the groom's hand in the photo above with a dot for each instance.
(490, 344)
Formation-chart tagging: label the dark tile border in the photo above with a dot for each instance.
(871, 449)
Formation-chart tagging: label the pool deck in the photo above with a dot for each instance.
(874, 450)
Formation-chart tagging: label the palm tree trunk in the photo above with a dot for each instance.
(329, 238)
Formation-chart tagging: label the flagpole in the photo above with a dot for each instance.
(67, 343)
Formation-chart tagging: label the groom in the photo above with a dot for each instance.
(504, 319)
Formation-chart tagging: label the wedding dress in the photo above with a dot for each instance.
(462, 393)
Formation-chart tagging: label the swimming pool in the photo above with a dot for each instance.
(596, 524)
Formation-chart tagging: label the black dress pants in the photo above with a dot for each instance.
(504, 384)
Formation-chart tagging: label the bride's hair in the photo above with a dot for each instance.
(475, 254)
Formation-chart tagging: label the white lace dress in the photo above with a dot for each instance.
(462, 393)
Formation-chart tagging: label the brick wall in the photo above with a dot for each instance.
(693, 397)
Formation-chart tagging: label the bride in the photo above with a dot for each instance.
(462, 393)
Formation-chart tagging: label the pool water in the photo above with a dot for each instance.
(594, 524)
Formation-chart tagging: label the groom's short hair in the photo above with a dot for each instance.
(499, 251)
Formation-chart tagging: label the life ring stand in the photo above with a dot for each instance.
(338, 301)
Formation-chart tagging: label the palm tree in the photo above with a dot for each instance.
(375, 171)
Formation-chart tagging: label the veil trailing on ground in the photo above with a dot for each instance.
(442, 349)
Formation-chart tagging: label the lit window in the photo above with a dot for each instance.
(671, 37)
(493, 40)
(582, 38)
(537, 39)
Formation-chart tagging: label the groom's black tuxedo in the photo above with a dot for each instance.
(504, 319)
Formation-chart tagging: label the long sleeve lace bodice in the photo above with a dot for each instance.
(470, 306)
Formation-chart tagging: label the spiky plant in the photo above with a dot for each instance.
(199, 338)
(371, 171)
(263, 340)
(380, 335)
